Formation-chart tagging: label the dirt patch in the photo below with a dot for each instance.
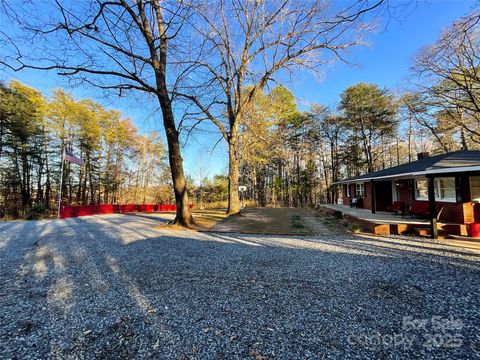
(284, 221)
(328, 221)
(204, 220)
(273, 221)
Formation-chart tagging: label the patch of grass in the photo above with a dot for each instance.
(36, 212)
(274, 221)
(206, 219)
(354, 227)
(296, 222)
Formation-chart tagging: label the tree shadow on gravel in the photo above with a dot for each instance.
(121, 289)
(371, 246)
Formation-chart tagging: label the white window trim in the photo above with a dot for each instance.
(425, 198)
(416, 189)
(394, 191)
(363, 190)
(477, 199)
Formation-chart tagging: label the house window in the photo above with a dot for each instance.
(421, 189)
(360, 190)
(475, 188)
(444, 189)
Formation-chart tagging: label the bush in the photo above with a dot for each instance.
(354, 227)
(297, 222)
(337, 214)
(36, 212)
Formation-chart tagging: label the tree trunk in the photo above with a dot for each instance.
(85, 171)
(92, 188)
(184, 216)
(80, 184)
(47, 184)
(25, 181)
(233, 175)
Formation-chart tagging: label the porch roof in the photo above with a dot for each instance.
(454, 162)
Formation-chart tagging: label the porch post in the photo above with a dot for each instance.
(432, 207)
(458, 189)
(372, 192)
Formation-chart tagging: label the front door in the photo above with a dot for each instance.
(383, 195)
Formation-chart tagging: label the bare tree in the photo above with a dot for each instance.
(448, 77)
(248, 45)
(116, 45)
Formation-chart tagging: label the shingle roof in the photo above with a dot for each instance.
(437, 164)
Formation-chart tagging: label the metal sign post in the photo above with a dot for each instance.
(242, 189)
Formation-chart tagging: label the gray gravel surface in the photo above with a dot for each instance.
(115, 287)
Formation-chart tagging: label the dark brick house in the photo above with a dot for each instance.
(448, 185)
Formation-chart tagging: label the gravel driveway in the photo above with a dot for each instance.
(114, 287)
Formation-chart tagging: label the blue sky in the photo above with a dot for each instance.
(387, 57)
(385, 61)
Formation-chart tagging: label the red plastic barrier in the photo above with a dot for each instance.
(146, 208)
(129, 208)
(66, 212)
(105, 209)
(84, 210)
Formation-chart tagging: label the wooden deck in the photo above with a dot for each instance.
(384, 223)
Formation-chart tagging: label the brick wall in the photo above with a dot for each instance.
(346, 200)
(458, 213)
(367, 201)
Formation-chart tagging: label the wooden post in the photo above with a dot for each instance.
(372, 193)
(432, 207)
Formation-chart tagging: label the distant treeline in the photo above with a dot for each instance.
(293, 158)
(121, 166)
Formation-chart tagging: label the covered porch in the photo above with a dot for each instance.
(386, 223)
(442, 190)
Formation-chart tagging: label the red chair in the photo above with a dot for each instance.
(422, 209)
(419, 208)
(398, 207)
